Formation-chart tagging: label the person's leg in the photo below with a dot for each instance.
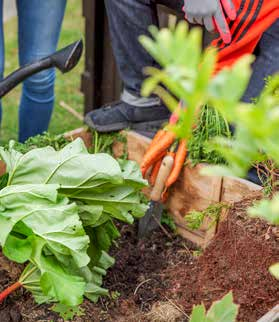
(128, 19)
(39, 24)
(2, 50)
(266, 63)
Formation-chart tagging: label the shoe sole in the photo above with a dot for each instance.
(139, 126)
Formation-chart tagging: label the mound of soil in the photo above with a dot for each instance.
(162, 269)
(238, 259)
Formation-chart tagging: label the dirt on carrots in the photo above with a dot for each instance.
(163, 274)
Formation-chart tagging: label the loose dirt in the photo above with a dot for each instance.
(162, 274)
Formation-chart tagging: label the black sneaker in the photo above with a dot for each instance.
(118, 116)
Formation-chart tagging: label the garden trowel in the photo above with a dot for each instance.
(152, 217)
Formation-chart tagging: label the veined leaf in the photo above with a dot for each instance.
(48, 216)
(224, 310)
(72, 167)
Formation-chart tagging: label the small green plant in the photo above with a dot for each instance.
(168, 220)
(67, 313)
(114, 295)
(197, 253)
(195, 219)
(220, 311)
(103, 143)
(40, 141)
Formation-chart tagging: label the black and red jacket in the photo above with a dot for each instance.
(254, 17)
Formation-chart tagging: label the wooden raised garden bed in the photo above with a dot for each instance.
(161, 277)
(192, 191)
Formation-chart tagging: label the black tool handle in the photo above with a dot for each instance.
(11, 81)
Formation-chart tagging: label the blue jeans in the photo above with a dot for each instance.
(129, 19)
(39, 25)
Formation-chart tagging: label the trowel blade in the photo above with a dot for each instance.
(151, 219)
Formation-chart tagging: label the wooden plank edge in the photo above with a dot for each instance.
(271, 316)
(211, 223)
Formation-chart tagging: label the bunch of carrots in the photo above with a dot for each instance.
(164, 145)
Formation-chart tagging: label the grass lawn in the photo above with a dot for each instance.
(67, 86)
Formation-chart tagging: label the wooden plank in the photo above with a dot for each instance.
(136, 146)
(271, 316)
(235, 189)
(192, 191)
(211, 223)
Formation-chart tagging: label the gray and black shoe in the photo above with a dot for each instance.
(120, 115)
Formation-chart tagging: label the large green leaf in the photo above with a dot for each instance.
(71, 167)
(51, 195)
(55, 282)
(47, 215)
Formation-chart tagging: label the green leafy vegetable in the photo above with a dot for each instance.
(40, 141)
(57, 213)
(220, 311)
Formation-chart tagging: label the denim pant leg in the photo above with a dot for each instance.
(2, 50)
(39, 25)
(128, 19)
(266, 64)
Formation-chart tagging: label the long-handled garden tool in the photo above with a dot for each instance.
(153, 214)
(164, 174)
(65, 60)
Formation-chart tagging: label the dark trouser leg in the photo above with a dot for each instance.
(128, 19)
(266, 64)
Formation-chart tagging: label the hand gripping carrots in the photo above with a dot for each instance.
(157, 148)
(155, 156)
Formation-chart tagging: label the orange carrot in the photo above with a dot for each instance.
(157, 158)
(154, 172)
(155, 139)
(162, 145)
(179, 160)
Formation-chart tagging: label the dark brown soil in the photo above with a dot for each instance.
(163, 269)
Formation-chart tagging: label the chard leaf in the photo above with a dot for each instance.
(72, 167)
(30, 279)
(65, 288)
(48, 216)
(131, 173)
(90, 214)
(17, 249)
